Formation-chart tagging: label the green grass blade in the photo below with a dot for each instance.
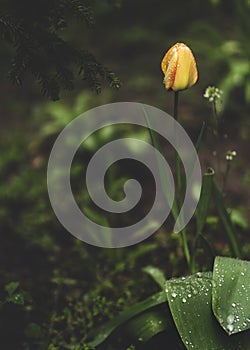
(156, 274)
(200, 137)
(203, 205)
(165, 183)
(197, 147)
(226, 221)
(202, 248)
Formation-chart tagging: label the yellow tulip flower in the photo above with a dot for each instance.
(179, 68)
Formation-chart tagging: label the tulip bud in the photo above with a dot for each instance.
(179, 68)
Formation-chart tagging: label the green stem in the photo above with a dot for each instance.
(216, 132)
(179, 184)
(185, 247)
(177, 158)
(225, 177)
(216, 117)
(176, 101)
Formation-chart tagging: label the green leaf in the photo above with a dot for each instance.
(17, 298)
(247, 91)
(147, 329)
(231, 294)
(34, 331)
(238, 218)
(14, 296)
(187, 302)
(203, 205)
(190, 302)
(156, 274)
(226, 221)
(146, 325)
(106, 330)
(237, 75)
(11, 287)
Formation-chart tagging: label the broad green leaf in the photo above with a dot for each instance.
(203, 205)
(190, 302)
(106, 330)
(156, 274)
(231, 294)
(226, 221)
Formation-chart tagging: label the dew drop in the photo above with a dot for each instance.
(230, 319)
(230, 327)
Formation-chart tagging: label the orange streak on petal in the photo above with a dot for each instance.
(166, 59)
(171, 70)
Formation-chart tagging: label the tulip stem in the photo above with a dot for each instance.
(179, 184)
(176, 101)
(177, 158)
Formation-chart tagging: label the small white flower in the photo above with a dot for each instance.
(212, 93)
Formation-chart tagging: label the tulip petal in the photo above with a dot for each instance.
(166, 59)
(186, 72)
(179, 68)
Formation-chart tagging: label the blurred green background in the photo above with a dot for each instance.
(67, 288)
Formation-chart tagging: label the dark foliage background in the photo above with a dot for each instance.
(34, 33)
